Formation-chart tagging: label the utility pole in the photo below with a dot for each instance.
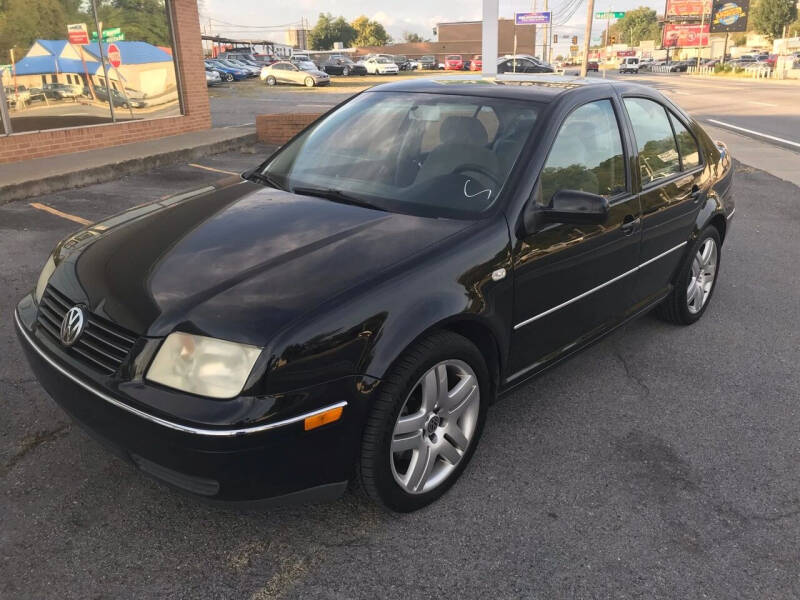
(700, 39)
(99, 26)
(608, 34)
(549, 28)
(587, 35)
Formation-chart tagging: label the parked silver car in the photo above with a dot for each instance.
(304, 73)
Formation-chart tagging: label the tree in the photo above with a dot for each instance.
(638, 25)
(369, 33)
(412, 38)
(25, 21)
(770, 16)
(328, 31)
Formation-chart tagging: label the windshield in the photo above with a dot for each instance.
(427, 154)
(307, 65)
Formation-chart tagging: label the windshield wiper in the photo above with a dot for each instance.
(265, 179)
(335, 195)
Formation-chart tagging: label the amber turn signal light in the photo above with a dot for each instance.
(323, 418)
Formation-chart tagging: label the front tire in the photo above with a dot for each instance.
(271, 80)
(346, 71)
(695, 280)
(228, 77)
(309, 82)
(426, 422)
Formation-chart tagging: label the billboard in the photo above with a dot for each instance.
(687, 8)
(682, 35)
(532, 18)
(729, 16)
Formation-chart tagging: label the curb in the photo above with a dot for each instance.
(115, 170)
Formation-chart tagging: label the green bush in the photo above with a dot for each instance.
(738, 70)
(718, 68)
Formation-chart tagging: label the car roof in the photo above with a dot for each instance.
(537, 88)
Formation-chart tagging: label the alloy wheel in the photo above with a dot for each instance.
(435, 427)
(701, 276)
(346, 71)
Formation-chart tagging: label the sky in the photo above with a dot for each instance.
(269, 19)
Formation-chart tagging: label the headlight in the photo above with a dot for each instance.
(44, 277)
(202, 365)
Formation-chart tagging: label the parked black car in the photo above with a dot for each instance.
(680, 66)
(324, 319)
(117, 98)
(341, 65)
(402, 62)
(522, 64)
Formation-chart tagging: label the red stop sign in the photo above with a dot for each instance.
(114, 57)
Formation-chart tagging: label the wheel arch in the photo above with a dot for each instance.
(474, 329)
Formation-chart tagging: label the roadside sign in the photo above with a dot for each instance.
(78, 34)
(624, 53)
(110, 35)
(532, 18)
(573, 49)
(114, 57)
(609, 15)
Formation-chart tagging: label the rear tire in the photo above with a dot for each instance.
(228, 77)
(695, 280)
(346, 71)
(425, 423)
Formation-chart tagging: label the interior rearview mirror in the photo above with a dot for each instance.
(567, 206)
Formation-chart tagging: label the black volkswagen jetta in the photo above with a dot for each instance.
(350, 308)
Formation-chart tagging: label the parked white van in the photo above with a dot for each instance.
(629, 64)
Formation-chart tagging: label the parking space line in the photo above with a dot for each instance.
(758, 133)
(761, 103)
(58, 213)
(196, 166)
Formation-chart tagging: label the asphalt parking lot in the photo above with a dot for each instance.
(662, 462)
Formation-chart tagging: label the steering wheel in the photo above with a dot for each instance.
(473, 168)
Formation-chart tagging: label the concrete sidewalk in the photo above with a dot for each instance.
(31, 178)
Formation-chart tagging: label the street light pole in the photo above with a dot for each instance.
(700, 38)
(587, 35)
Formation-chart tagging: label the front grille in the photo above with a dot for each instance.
(102, 345)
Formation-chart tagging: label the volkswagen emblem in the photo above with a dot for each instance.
(72, 325)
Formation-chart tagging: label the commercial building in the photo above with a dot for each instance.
(60, 98)
(464, 38)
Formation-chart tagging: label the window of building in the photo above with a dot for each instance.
(587, 154)
(143, 86)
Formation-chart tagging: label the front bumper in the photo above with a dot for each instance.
(275, 460)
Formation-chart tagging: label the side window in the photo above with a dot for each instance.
(658, 155)
(587, 154)
(687, 145)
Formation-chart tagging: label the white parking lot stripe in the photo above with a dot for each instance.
(758, 133)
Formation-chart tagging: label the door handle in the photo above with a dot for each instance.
(629, 224)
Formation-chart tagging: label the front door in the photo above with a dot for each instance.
(572, 281)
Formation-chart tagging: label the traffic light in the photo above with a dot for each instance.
(574, 40)
(555, 38)
(613, 39)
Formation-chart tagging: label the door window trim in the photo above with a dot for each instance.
(616, 198)
(652, 185)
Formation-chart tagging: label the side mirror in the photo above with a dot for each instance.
(567, 206)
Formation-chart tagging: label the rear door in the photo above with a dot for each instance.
(670, 170)
(573, 281)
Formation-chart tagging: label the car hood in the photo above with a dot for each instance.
(238, 263)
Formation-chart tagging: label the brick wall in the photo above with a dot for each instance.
(280, 128)
(197, 113)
